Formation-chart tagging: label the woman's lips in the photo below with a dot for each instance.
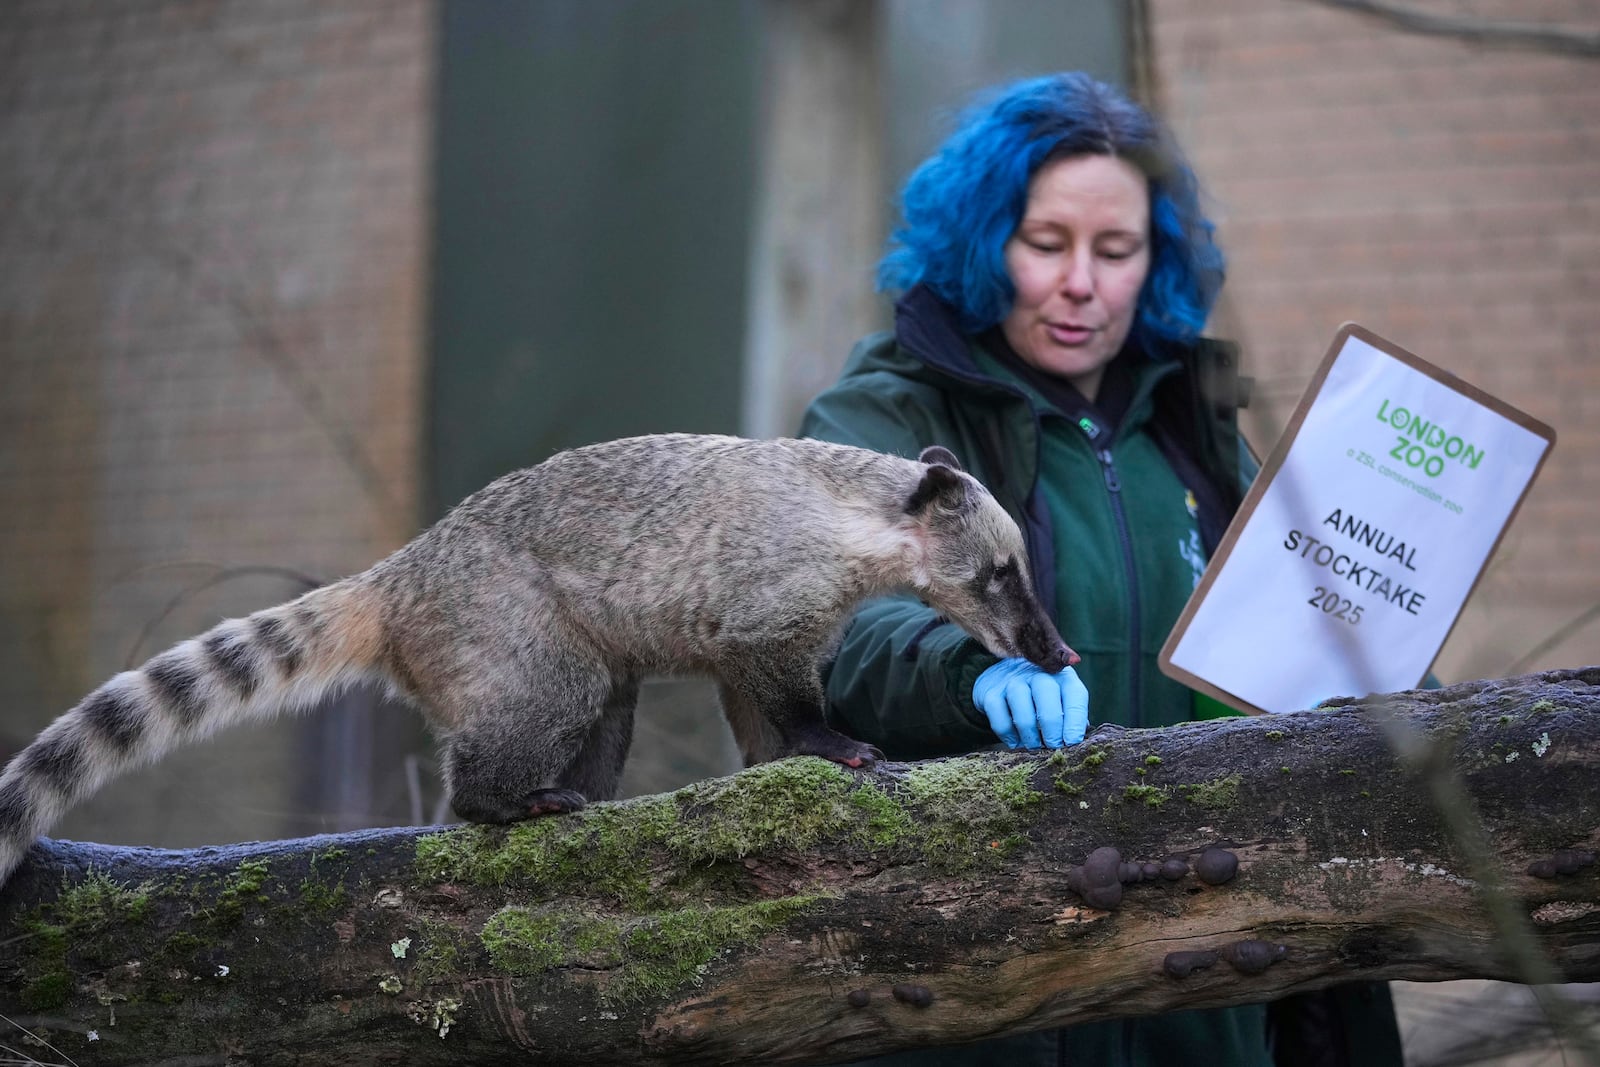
(1066, 333)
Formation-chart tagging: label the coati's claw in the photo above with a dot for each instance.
(554, 802)
(818, 740)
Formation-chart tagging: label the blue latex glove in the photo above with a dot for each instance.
(1028, 708)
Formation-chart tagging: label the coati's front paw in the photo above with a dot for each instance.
(832, 745)
(553, 802)
(499, 810)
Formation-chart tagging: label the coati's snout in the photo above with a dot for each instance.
(1025, 630)
(1010, 622)
(1041, 646)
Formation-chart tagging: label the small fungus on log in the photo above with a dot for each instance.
(918, 996)
(1099, 880)
(1216, 866)
(1566, 861)
(1183, 964)
(1253, 957)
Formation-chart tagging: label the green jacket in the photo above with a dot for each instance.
(1119, 521)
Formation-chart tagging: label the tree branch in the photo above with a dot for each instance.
(1536, 35)
(798, 912)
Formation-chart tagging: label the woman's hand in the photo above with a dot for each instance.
(1028, 708)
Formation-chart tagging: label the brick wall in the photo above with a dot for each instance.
(211, 333)
(1443, 193)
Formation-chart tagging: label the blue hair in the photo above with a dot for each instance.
(960, 207)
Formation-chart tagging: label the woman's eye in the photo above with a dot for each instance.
(1119, 251)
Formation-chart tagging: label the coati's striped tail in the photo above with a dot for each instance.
(278, 660)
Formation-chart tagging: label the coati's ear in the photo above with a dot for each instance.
(941, 485)
(940, 455)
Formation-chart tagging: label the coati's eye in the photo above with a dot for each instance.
(1004, 570)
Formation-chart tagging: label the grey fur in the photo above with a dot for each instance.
(521, 623)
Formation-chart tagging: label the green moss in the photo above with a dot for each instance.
(1090, 764)
(520, 942)
(668, 951)
(1348, 772)
(1150, 795)
(968, 804)
(1542, 706)
(243, 886)
(180, 944)
(436, 952)
(1215, 795)
(97, 901)
(688, 846)
(47, 991)
(391, 985)
(76, 919)
(1274, 735)
(789, 804)
(606, 849)
(651, 956)
(1152, 761)
(322, 897)
(1009, 844)
(887, 821)
(45, 938)
(603, 850)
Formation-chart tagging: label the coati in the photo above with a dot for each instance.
(521, 622)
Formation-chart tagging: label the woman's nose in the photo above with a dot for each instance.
(1077, 281)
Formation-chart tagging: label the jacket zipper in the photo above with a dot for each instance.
(1108, 469)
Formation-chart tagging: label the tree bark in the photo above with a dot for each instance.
(802, 913)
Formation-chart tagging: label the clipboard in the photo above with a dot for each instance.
(1362, 538)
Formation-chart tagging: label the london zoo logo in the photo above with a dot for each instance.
(1424, 445)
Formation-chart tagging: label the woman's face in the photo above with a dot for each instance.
(1078, 259)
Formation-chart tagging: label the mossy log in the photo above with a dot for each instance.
(802, 913)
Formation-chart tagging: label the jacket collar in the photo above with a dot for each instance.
(926, 327)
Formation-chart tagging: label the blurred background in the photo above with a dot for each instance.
(281, 280)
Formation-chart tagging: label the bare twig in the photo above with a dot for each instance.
(1542, 37)
(1558, 635)
(226, 575)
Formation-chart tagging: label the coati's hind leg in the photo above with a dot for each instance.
(502, 766)
(525, 757)
(597, 769)
(773, 703)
